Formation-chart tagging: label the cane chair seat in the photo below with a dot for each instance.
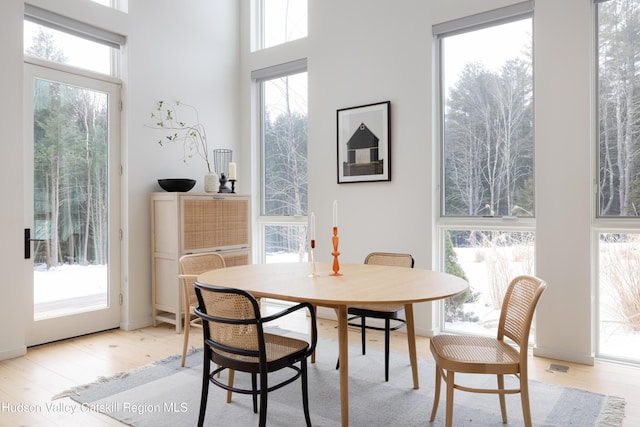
(476, 355)
(276, 346)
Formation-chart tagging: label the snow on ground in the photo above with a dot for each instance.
(68, 281)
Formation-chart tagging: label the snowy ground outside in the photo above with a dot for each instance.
(68, 281)
(614, 341)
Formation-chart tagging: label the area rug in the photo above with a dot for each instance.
(165, 394)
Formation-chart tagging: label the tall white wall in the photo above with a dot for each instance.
(564, 125)
(185, 51)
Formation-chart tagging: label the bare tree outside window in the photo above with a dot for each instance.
(488, 135)
(70, 147)
(283, 133)
(619, 179)
(70, 178)
(283, 21)
(285, 164)
(487, 166)
(619, 98)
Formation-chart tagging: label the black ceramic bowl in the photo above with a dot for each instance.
(176, 184)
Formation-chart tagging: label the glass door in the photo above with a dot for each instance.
(72, 192)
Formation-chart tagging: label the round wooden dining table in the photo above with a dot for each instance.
(357, 284)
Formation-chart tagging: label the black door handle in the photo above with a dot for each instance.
(27, 243)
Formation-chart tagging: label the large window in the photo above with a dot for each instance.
(618, 226)
(283, 154)
(487, 158)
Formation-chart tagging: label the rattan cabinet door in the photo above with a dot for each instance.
(214, 223)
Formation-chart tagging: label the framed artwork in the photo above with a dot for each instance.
(364, 143)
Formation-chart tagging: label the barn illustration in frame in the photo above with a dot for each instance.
(364, 137)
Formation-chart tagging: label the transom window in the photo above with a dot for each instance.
(279, 21)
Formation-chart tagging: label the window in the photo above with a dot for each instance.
(56, 38)
(283, 155)
(280, 21)
(487, 201)
(618, 203)
(51, 45)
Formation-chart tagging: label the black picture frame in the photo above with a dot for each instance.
(364, 143)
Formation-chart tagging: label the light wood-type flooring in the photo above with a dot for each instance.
(27, 383)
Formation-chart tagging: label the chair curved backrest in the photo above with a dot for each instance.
(388, 312)
(518, 307)
(191, 266)
(232, 322)
(390, 259)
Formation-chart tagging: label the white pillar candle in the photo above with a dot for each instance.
(232, 170)
(312, 226)
(335, 213)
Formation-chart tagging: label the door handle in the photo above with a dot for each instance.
(27, 243)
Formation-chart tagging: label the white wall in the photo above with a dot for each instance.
(564, 124)
(365, 51)
(185, 51)
(12, 211)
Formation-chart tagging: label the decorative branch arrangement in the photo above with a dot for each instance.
(168, 116)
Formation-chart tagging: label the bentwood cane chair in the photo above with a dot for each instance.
(485, 355)
(389, 312)
(191, 266)
(234, 338)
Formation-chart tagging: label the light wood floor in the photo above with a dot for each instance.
(28, 383)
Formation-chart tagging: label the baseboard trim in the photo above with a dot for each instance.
(549, 353)
(132, 326)
(10, 354)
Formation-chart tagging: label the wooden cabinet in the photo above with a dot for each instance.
(184, 223)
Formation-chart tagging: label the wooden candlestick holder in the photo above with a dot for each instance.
(336, 265)
(313, 261)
